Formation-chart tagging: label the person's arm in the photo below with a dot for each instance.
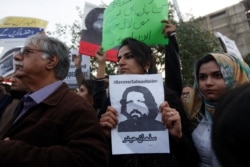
(100, 94)
(78, 73)
(173, 75)
(101, 59)
(182, 147)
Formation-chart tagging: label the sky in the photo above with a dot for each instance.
(64, 11)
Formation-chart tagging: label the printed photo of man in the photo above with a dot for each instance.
(140, 108)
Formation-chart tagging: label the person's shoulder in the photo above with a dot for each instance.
(70, 98)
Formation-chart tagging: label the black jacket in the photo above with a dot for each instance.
(183, 153)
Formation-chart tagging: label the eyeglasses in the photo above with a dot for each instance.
(25, 51)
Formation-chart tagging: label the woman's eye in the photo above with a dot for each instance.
(202, 77)
(218, 75)
(119, 58)
(126, 56)
(130, 101)
(141, 101)
(130, 56)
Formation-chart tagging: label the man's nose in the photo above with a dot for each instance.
(18, 56)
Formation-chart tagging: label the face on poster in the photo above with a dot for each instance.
(137, 99)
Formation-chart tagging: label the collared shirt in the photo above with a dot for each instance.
(31, 99)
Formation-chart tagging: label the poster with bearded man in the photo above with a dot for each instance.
(137, 98)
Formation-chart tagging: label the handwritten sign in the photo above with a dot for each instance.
(140, 129)
(137, 19)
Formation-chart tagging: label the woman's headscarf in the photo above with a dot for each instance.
(234, 71)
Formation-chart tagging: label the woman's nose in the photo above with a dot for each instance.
(121, 60)
(209, 81)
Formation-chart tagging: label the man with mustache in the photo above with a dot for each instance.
(52, 126)
(140, 108)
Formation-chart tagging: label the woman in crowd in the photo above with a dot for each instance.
(214, 75)
(135, 57)
(93, 90)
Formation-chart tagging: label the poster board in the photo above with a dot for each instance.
(137, 98)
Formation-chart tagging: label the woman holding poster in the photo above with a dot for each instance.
(135, 57)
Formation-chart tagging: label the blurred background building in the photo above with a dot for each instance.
(233, 22)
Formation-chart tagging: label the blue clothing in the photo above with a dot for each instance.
(31, 99)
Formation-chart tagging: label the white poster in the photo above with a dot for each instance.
(228, 45)
(137, 99)
(85, 65)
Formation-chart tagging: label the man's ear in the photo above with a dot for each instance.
(52, 62)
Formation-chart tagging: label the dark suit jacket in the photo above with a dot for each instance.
(62, 130)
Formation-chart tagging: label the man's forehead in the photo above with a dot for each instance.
(135, 95)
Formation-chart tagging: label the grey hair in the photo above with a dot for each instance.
(53, 47)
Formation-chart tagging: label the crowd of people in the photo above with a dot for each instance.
(44, 123)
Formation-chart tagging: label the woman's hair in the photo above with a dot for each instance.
(142, 52)
(89, 84)
(203, 60)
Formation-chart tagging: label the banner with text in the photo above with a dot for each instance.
(137, 19)
(13, 32)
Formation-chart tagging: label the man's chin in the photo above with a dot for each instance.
(19, 74)
(135, 117)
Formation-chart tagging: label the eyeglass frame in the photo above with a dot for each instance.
(23, 51)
